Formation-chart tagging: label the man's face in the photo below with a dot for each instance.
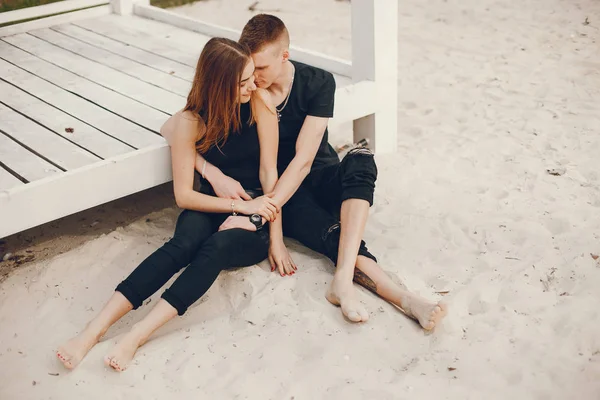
(268, 64)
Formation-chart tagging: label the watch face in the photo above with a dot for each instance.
(255, 218)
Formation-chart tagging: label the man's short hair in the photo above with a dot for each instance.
(262, 30)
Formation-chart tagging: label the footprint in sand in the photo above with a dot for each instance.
(557, 226)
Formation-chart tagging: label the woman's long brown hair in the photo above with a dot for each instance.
(215, 90)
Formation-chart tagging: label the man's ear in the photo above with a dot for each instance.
(286, 55)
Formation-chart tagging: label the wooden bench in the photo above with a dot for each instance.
(83, 95)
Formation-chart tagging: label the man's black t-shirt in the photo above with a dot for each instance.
(312, 94)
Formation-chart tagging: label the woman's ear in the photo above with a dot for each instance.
(286, 55)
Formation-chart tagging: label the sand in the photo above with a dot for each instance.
(493, 94)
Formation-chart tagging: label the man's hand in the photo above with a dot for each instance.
(263, 206)
(242, 222)
(279, 257)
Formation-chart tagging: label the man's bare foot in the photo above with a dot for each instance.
(344, 295)
(427, 313)
(121, 355)
(72, 352)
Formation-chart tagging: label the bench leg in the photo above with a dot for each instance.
(375, 58)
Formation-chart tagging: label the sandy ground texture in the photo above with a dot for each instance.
(491, 203)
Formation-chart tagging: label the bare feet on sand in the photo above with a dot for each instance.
(72, 352)
(121, 355)
(344, 295)
(427, 313)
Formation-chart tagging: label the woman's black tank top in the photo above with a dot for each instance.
(239, 157)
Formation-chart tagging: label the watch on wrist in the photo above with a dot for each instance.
(257, 221)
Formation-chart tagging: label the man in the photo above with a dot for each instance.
(326, 201)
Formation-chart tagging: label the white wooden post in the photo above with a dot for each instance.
(125, 7)
(375, 58)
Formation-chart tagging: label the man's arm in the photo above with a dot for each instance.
(320, 92)
(307, 145)
(268, 137)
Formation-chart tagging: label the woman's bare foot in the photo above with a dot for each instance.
(121, 355)
(344, 295)
(72, 352)
(427, 313)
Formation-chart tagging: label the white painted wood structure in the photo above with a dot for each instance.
(83, 95)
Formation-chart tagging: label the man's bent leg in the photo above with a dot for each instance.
(307, 222)
(314, 227)
(341, 291)
(352, 184)
(371, 276)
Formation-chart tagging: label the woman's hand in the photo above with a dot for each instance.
(279, 257)
(263, 206)
(227, 188)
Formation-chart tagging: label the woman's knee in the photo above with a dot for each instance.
(181, 247)
(233, 248)
(192, 229)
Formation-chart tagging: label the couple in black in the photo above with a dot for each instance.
(251, 162)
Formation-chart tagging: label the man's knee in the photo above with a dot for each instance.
(361, 162)
(359, 173)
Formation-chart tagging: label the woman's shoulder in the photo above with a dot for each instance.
(183, 125)
(263, 97)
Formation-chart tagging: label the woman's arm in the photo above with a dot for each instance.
(182, 131)
(223, 185)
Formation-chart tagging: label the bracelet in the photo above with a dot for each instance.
(203, 169)
(233, 208)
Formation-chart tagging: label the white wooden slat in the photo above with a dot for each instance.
(56, 120)
(55, 20)
(118, 63)
(98, 117)
(43, 141)
(43, 201)
(120, 105)
(116, 28)
(332, 64)
(130, 52)
(48, 9)
(144, 93)
(8, 180)
(24, 162)
(184, 39)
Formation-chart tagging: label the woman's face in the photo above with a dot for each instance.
(247, 85)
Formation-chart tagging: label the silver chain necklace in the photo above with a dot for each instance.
(288, 95)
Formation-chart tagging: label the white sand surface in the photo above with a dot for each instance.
(493, 93)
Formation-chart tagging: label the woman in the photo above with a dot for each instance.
(233, 126)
